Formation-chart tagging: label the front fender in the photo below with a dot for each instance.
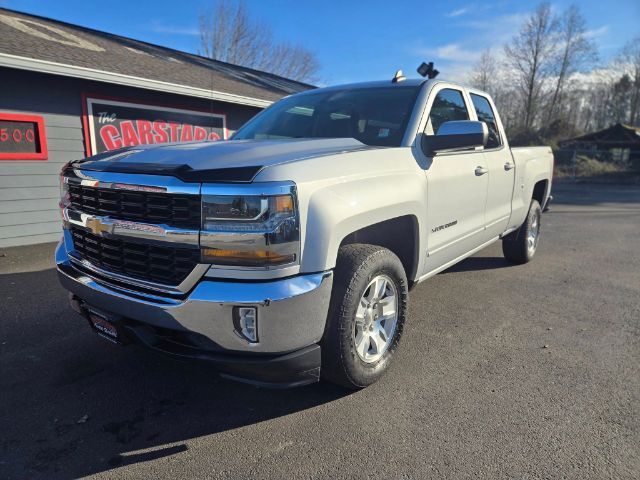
(337, 210)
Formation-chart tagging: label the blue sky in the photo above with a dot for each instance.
(354, 40)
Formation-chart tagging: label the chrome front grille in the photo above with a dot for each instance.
(166, 264)
(178, 210)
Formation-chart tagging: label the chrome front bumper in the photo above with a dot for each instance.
(291, 312)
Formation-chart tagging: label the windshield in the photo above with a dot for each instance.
(374, 116)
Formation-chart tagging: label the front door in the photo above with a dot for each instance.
(457, 188)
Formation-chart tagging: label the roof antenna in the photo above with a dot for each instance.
(398, 77)
(427, 70)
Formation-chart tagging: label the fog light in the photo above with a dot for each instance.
(245, 320)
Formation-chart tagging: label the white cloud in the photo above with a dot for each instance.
(450, 52)
(453, 60)
(174, 30)
(456, 72)
(456, 60)
(510, 23)
(597, 32)
(458, 12)
(604, 75)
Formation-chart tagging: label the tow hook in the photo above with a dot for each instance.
(75, 304)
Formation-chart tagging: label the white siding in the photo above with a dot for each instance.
(29, 190)
(32, 181)
(30, 239)
(26, 218)
(28, 193)
(34, 205)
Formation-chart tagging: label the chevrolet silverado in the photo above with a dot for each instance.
(286, 254)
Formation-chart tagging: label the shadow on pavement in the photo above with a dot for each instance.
(472, 264)
(74, 404)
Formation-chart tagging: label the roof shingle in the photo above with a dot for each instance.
(45, 39)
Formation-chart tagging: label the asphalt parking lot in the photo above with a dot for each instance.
(505, 371)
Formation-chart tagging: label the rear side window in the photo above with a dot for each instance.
(447, 106)
(486, 115)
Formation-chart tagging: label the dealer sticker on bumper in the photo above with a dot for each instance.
(104, 327)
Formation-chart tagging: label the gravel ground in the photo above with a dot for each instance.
(505, 371)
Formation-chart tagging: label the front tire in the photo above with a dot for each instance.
(366, 315)
(520, 245)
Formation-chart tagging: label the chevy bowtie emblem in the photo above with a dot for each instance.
(96, 226)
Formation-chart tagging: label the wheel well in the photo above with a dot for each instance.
(400, 235)
(539, 191)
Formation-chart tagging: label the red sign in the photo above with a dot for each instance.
(22, 137)
(111, 124)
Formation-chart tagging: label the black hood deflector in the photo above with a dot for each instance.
(183, 172)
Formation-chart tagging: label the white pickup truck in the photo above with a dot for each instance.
(286, 254)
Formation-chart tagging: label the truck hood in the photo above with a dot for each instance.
(226, 161)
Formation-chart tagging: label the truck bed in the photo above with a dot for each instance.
(523, 154)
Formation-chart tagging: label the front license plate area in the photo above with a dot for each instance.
(104, 325)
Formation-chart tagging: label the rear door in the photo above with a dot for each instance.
(456, 184)
(501, 167)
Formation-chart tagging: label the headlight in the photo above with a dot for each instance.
(64, 188)
(248, 229)
(65, 199)
(245, 213)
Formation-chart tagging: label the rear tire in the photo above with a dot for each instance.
(366, 315)
(520, 245)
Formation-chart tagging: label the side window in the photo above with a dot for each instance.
(486, 115)
(447, 106)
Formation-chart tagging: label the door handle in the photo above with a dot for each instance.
(508, 166)
(481, 171)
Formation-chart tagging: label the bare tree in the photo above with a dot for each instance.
(489, 74)
(574, 49)
(292, 61)
(229, 34)
(530, 54)
(630, 58)
(483, 75)
(547, 65)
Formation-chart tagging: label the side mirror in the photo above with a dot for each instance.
(456, 135)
